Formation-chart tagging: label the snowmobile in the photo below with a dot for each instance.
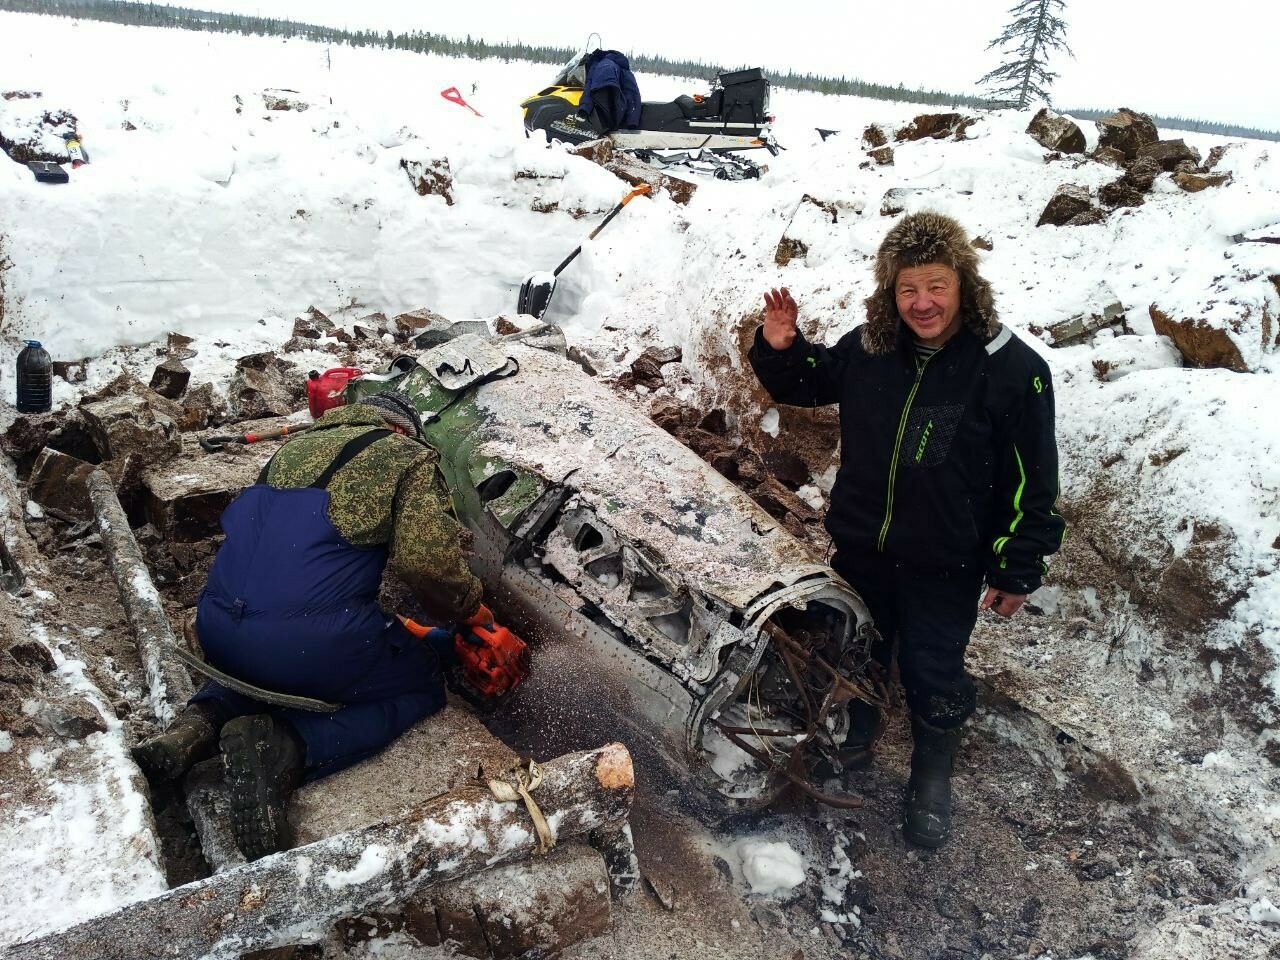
(703, 128)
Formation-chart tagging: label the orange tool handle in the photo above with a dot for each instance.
(639, 191)
(274, 434)
(417, 629)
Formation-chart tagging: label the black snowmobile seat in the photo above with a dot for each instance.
(655, 116)
(659, 116)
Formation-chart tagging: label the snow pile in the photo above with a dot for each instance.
(770, 867)
(1264, 911)
(33, 130)
(374, 859)
(202, 210)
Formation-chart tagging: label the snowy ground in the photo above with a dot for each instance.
(203, 213)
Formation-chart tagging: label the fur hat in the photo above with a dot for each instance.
(398, 410)
(918, 239)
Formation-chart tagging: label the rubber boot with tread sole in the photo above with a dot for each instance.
(263, 764)
(928, 816)
(192, 737)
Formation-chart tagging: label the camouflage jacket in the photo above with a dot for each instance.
(390, 493)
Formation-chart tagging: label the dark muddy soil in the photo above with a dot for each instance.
(1041, 861)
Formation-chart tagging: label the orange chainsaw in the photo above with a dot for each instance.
(493, 660)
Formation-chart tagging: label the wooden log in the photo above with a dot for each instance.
(168, 683)
(296, 896)
(635, 171)
(546, 904)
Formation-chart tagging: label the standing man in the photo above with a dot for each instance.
(948, 477)
(291, 606)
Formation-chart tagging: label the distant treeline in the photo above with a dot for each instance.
(185, 18)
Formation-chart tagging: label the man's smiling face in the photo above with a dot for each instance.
(928, 299)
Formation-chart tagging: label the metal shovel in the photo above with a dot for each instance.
(536, 291)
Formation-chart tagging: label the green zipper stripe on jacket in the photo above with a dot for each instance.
(897, 448)
(1057, 495)
(1017, 504)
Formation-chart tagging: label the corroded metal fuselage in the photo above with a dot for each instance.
(590, 522)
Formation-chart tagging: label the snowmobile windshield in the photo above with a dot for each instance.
(573, 73)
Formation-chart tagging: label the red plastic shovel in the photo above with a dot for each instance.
(453, 96)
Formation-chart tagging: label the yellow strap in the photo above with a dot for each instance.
(525, 778)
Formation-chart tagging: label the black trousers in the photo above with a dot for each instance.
(930, 613)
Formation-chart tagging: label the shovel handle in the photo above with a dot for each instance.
(637, 192)
(214, 444)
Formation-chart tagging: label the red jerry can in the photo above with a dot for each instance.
(324, 390)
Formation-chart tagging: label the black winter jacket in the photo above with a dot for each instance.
(949, 463)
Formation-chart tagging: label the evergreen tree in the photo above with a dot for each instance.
(1035, 32)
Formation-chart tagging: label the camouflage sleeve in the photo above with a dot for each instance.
(426, 549)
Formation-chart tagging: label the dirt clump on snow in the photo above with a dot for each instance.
(1200, 344)
(936, 126)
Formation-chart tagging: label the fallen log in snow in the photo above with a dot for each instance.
(296, 896)
(168, 684)
(635, 171)
(516, 911)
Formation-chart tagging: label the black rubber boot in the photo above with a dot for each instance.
(192, 737)
(263, 761)
(857, 751)
(928, 818)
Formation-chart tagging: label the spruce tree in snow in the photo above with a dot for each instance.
(1035, 32)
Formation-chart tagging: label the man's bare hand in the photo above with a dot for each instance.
(1005, 604)
(780, 314)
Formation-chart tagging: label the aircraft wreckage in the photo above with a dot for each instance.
(591, 522)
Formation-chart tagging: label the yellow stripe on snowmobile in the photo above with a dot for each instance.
(571, 95)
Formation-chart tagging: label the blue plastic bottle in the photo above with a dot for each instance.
(35, 379)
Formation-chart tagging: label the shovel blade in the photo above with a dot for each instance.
(535, 294)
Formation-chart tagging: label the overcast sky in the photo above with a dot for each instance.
(1217, 61)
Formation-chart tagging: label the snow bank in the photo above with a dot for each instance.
(214, 212)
